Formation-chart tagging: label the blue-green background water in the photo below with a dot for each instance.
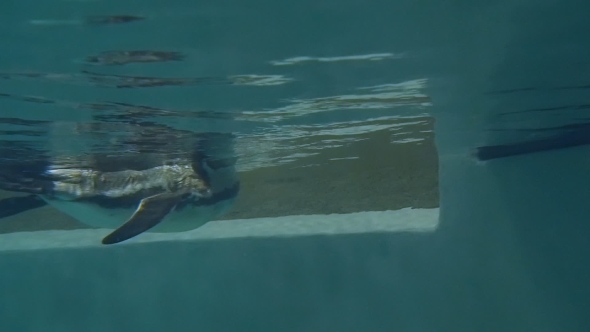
(504, 257)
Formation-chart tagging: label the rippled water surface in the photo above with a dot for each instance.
(316, 120)
(331, 106)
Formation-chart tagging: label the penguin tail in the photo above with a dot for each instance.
(15, 205)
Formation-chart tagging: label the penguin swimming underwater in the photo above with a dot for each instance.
(169, 195)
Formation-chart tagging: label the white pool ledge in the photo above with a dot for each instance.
(403, 220)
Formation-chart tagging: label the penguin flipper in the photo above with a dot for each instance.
(150, 212)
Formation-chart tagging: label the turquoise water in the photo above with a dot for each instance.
(335, 116)
(154, 81)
